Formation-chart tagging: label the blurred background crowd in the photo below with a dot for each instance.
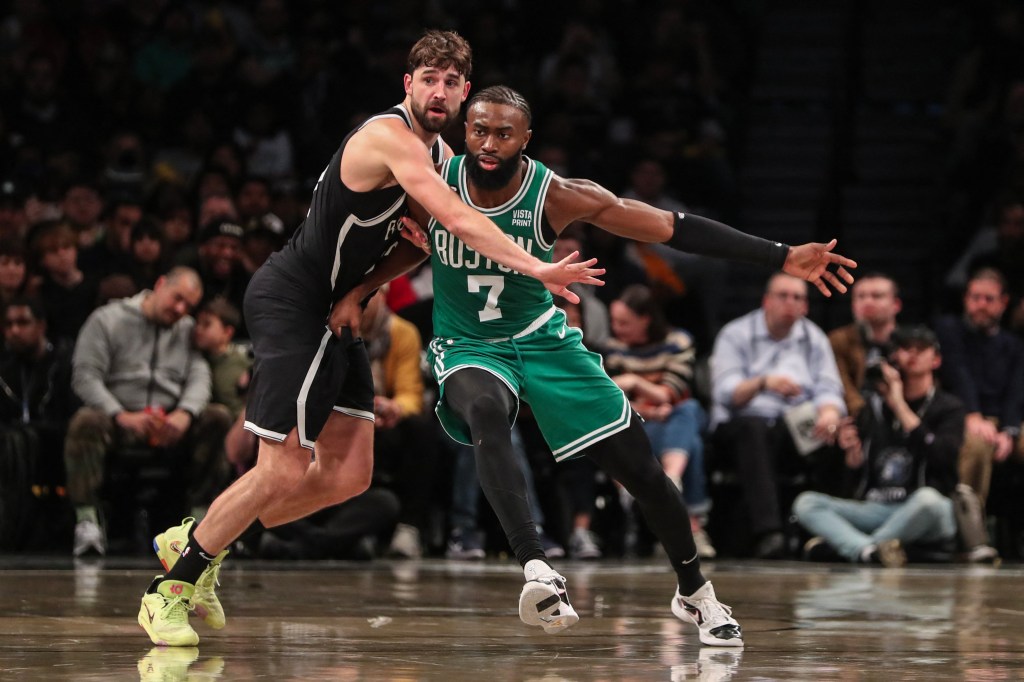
(139, 138)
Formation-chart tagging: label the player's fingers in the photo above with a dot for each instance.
(840, 260)
(568, 260)
(834, 281)
(592, 280)
(568, 295)
(821, 287)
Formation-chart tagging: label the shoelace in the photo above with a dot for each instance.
(174, 614)
(712, 609)
(557, 581)
(212, 577)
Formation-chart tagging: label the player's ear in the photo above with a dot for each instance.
(465, 91)
(407, 80)
(526, 139)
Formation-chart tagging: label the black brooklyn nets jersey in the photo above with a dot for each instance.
(345, 232)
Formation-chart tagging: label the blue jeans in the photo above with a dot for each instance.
(851, 525)
(682, 431)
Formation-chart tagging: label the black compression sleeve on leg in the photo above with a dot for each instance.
(627, 458)
(706, 237)
(487, 405)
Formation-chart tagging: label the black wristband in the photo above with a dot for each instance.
(704, 237)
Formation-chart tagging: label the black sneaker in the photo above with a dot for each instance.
(816, 549)
(465, 545)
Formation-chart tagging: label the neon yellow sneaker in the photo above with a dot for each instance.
(162, 663)
(164, 614)
(168, 547)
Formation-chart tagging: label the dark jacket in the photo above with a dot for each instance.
(986, 371)
(898, 463)
(37, 390)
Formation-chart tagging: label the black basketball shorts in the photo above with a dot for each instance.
(301, 372)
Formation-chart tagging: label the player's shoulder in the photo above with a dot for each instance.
(384, 131)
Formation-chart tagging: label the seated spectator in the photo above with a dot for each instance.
(653, 364)
(81, 206)
(142, 384)
(36, 401)
(219, 263)
(111, 253)
(216, 323)
(68, 295)
(765, 364)
(904, 445)
(13, 270)
(13, 218)
(999, 246)
(147, 253)
(875, 300)
(984, 368)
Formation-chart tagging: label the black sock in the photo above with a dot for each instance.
(193, 561)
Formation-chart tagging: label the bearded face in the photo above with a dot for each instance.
(434, 117)
(436, 96)
(490, 172)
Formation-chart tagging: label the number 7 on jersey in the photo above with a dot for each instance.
(496, 284)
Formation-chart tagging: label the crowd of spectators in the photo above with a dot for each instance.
(153, 154)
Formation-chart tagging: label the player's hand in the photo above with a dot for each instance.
(557, 277)
(411, 230)
(346, 313)
(810, 262)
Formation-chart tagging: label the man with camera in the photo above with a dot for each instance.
(875, 303)
(904, 445)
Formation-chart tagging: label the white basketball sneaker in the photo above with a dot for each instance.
(713, 618)
(544, 601)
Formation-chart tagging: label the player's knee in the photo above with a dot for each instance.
(488, 410)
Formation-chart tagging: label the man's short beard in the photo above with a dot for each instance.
(493, 179)
(429, 124)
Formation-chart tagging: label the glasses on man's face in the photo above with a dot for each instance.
(789, 296)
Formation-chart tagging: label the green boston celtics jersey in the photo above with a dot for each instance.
(474, 297)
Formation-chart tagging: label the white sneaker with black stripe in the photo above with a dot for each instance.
(544, 601)
(713, 618)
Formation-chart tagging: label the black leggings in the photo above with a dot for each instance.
(487, 406)
(628, 458)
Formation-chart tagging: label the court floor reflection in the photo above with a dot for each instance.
(438, 620)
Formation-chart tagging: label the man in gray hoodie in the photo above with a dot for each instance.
(142, 383)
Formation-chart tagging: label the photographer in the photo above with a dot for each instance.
(905, 445)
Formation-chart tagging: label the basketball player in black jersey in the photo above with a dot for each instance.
(311, 387)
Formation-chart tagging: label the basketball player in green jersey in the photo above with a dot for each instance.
(499, 339)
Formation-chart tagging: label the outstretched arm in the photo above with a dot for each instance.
(389, 144)
(575, 199)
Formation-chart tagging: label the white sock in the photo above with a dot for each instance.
(865, 554)
(535, 567)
